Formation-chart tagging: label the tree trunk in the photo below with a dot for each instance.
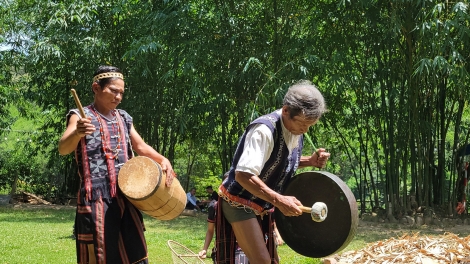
(13, 187)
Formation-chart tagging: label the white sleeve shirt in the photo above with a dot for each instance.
(259, 144)
(191, 198)
(257, 149)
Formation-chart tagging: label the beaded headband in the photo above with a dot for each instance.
(107, 75)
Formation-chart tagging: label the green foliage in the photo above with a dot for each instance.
(394, 75)
(19, 157)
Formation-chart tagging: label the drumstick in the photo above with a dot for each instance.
(318, 211)
(77, 102)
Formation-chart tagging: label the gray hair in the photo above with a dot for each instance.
(304, 98)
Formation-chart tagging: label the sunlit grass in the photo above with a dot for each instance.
(36, 236)
(44, 235)
(41, 235)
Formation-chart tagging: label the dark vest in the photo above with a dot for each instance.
(93, 166)
(276, 172)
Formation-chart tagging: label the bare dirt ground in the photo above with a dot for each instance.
(38, 206)
(5, 201)
(396, 230)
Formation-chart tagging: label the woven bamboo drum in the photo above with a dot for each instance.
(142, 181)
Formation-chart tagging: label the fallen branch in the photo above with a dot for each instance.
(36, 198)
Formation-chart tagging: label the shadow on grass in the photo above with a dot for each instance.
(71, 237)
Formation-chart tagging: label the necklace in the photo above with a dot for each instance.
(106, 142)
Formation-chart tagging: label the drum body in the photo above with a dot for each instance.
(142, 181)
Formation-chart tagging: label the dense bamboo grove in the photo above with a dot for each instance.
(394, 73)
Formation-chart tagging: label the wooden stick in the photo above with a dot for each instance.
(77, 102)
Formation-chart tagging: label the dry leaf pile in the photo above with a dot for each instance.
(447, 248)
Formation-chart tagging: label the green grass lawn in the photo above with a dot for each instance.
(43, 235)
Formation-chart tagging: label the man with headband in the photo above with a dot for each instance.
(109, 229)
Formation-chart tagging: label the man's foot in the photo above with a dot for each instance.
(202, 254)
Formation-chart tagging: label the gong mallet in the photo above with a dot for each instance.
(77, 102)
(318, 211)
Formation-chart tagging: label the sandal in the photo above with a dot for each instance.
(202, 254)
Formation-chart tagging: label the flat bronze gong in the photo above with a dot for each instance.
(319, 239)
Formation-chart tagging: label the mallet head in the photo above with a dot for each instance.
(319, 212)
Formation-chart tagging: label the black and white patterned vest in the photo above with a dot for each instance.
(93, 167)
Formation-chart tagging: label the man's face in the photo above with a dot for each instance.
(193, 192)
(297, 125)
(111, 95)
(209, 190)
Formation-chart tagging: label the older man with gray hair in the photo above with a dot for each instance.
(267, 156)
